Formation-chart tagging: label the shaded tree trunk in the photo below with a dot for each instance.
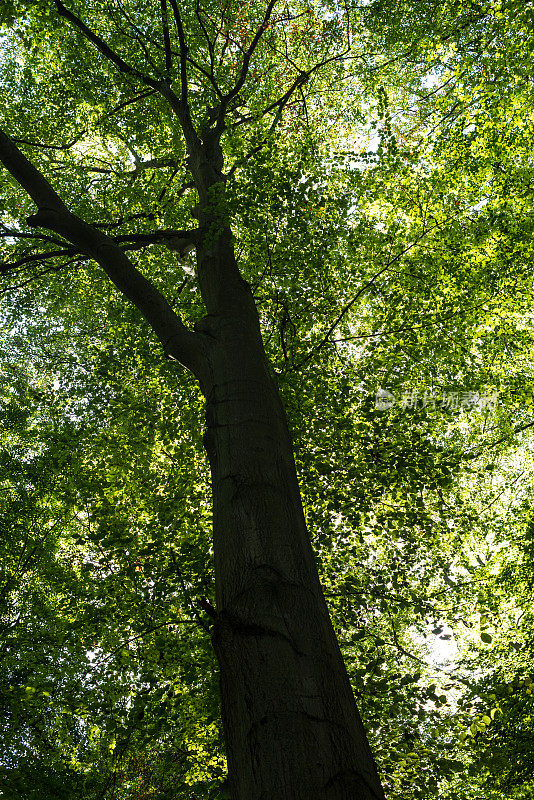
(291, 725)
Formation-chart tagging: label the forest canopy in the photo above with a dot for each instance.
(376, 168)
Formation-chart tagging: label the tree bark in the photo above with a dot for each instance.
(291, 725)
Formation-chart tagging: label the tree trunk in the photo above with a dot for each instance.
(291, 725)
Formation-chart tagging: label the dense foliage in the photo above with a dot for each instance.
(380, 181)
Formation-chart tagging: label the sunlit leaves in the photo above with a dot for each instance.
(384, 221)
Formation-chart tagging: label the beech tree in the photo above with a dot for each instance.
(214, 165)
(291, 724)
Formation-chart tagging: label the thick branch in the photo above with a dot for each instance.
(178, 342)
(180, 242)
(104, 48)
(183, 49)
(154, 163)
(180, 107)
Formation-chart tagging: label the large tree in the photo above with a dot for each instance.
(121, 124)
(291, 724)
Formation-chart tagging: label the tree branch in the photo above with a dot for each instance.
(513, 432)
(180, 242)
(248, 55)
(115, 110)
(209, 41)
(180, 107)
(38, 275)
(153, 163)
(16, 266)
(166, 36)
(178, 341)
(340, 316)
(183, 50)
(104, 48)
(365, 286)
